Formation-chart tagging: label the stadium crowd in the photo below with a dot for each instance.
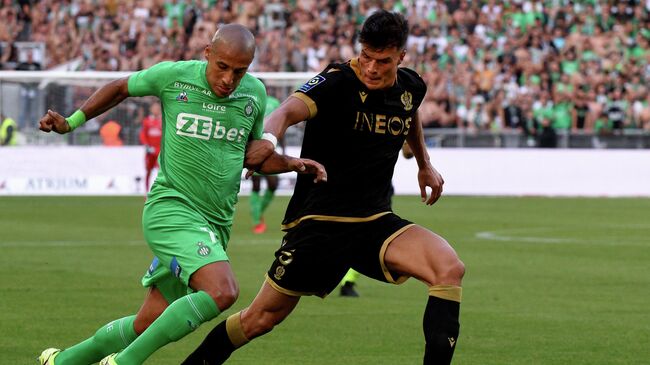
(526, 65)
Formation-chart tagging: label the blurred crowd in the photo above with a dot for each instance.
(490, 65)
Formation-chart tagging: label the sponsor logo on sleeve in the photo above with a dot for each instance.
(182, 97)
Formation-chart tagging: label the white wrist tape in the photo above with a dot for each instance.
(271, 138)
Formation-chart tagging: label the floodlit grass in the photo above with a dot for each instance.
(549, 281)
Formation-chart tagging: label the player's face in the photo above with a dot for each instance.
(226, 67)
(379, 66)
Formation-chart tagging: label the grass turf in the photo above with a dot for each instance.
(549, 281)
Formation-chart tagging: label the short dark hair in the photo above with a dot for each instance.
(384, 29)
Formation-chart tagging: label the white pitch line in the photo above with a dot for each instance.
(510, 235)
(494, 236)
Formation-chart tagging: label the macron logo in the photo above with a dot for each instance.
(202, 127)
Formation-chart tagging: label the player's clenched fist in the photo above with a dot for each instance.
(53, 121)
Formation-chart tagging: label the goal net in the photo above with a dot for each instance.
(26, 96)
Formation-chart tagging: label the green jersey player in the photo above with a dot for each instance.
(212, 127)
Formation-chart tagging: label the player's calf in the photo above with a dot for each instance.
(441, 318)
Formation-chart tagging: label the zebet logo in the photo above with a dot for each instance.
(201, 127)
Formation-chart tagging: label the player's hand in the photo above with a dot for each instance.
(430, 177)
(149, 149)
(307, 166)
(53, 121)
(302, 166)
(257, 151)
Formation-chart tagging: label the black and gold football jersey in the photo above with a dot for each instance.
(357, 135)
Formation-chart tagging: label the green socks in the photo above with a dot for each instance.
(266, 200)
(109, 339)
(259, 204)
(180, 318)
(256, 207)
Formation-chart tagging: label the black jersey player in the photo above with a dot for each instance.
(359, 114)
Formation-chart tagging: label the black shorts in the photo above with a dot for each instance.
(315, 255)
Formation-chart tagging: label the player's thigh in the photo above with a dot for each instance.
(369, 243)
(182, 240)
(272, 182)
(256, 180)
(422, 254)
(312, 259)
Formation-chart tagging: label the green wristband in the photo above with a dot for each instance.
(76, 119)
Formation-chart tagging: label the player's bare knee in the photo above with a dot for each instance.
(265, 322)
(258, 322)
(451, 272)
(458, 270)
(224, 297)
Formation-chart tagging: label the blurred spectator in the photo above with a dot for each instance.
(8, 131)
(487, 62)
(29, 113)
(110, 133)
(150, 137)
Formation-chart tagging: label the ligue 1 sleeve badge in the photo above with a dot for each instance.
(315, 81)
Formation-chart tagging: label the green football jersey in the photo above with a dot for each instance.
(204, 135)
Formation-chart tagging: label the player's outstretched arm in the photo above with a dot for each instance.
(428, 176)
(100, 101)
(277, 164)
(290, 112)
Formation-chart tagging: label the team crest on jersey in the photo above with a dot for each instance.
(407, 100)
(182, 97)
(248, 109)
(279, 272)
(317, 80)
(203, 249)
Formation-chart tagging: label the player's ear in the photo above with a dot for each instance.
(401, 56)
(206, 53)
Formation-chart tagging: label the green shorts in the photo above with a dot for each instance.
(182, 241)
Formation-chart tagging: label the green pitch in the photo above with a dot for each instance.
(549, 281)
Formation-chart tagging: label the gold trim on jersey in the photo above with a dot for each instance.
(382, 253)
(332, 218)
(354, 65)
(311, 105)
(288, 292)
(235, 331)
